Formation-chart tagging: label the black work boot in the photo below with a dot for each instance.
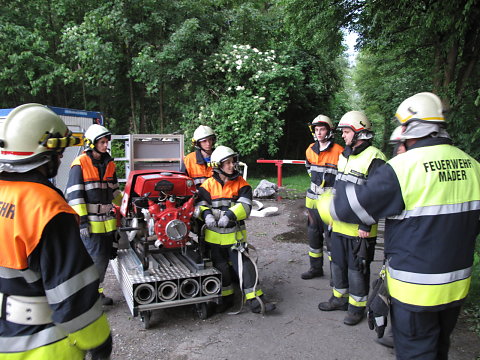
(256, 307)
(353, 318)
(227, 303)
(312, 273)
(106, 300)
(334, 303)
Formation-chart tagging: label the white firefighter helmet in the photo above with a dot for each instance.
(30, 135)
(355, 120)
(425, 107)
(396, 135)
(94, 133)
(321, 120)
(201, 133)
(220, 154)
(359, 123)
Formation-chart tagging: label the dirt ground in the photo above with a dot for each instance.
(297, 329)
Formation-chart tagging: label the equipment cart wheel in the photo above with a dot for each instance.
(202, 310)
(145, 317)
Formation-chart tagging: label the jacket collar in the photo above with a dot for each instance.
(34, 176)
(431, 141)
(316, 147)
(357, 150)
(200, 158)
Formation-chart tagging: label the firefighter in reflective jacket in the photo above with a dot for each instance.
(431, 198)
(353, 244)
(196, 163)
(321, 162)
(50, 306)
(92, 189)
(225, 201)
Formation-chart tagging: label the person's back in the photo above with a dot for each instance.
(430, 197)
(438, 225)
(48, 283)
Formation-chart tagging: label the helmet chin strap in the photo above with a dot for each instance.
(99, 152)
(205, 151)
(354, 140)
(233, 176)
(52, 165)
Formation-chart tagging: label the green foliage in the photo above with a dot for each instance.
(149, 66)
(422, 46)
(472, 308)
(384, 80)
(317, 24)
(96, 60)
(249, 90)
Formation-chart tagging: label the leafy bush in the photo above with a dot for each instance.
(249, 90)
(472, 307)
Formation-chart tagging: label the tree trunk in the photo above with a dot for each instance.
(142, 115)
(437, 81)
(160, 112)
(133, 125)
(449, 74)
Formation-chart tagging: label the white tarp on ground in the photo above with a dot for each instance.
(259, 211)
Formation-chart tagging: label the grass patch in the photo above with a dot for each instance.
(295, 182)
(294, 177)
(293, 187)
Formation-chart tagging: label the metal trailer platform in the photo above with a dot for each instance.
(172, 279)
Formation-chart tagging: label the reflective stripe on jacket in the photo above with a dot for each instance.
(196, 168)
(354, 169)
(322, 168)
(431, 255)
(43, 261)
(88, 194)
(234, 199)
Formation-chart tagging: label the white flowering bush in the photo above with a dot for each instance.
(248, 92)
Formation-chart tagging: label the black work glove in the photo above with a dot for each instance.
(362, 265)
(378, 307)
(113, 253)
(103, 351)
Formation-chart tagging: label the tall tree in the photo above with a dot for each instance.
(428, 45)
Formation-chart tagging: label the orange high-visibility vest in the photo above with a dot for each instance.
(90, 172)
(199, 172)
(25, 210)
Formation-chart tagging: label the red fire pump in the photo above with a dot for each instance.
(158, 264)
(157, 209)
